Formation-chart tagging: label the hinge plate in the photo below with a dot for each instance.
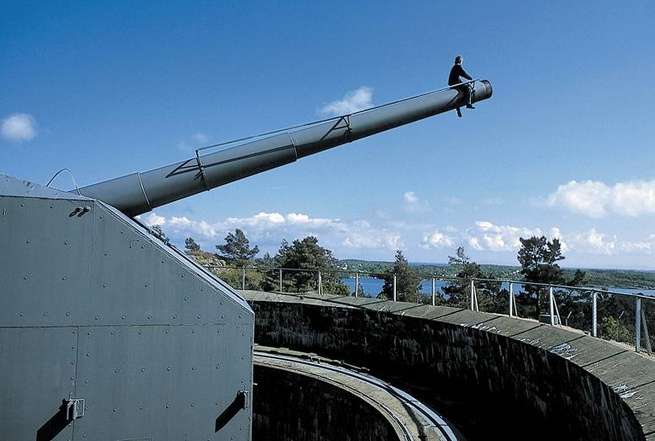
(74, 408)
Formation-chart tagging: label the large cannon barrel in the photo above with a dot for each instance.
(141, 192)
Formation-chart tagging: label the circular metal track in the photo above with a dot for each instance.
(412, 419)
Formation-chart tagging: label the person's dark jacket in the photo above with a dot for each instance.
(455, 73)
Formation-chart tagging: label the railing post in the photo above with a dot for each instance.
(594, 314)
(552, 306)
(476, 307)
(394, 288)
(511, 299)
(434, 291)
(644, 327)
(637, 324)
(280, 279)
(320, 284)
(471, 295)
(472, 289)
(243, 278)
(356, 284)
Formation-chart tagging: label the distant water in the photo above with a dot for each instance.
(372, 287)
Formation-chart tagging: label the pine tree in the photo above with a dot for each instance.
(156, 229)
(407, 280)
(309, 255)
(458, 291)
(489, 295)
(191, 245)
(236, 249)
(538, 258)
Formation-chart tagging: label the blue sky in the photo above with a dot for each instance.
(565, 147)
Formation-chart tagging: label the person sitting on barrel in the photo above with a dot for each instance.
(457, 72)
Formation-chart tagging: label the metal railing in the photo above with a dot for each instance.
(600, 312)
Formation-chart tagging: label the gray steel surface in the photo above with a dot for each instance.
(138, 193)
(93, 307)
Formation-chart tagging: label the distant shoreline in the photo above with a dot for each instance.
(597, 277)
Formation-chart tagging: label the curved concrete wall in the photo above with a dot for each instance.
(488, 373)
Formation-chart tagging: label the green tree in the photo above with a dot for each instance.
(268, 265)
(611, 328)
(490, 298)
(538, 258)
(407, 281)
(156, 229)
(307, 254)
(191, 245)
(458, 291)
(579, 278)
(236, 249)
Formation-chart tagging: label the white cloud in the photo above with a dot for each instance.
(634, 198)
(363, 238)
(488, 236)
(358, 99)
(18, 127)
(410, 197)
(266, 219)
(268, 229)
(646, 246)
(595, 242)
(192, 227)
(372, 240)
(437, 239)
(597, 199)
(474, 243)
(152, 219)
(413, 204)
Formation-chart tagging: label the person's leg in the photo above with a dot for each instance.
(462, 91)
(469, 96)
